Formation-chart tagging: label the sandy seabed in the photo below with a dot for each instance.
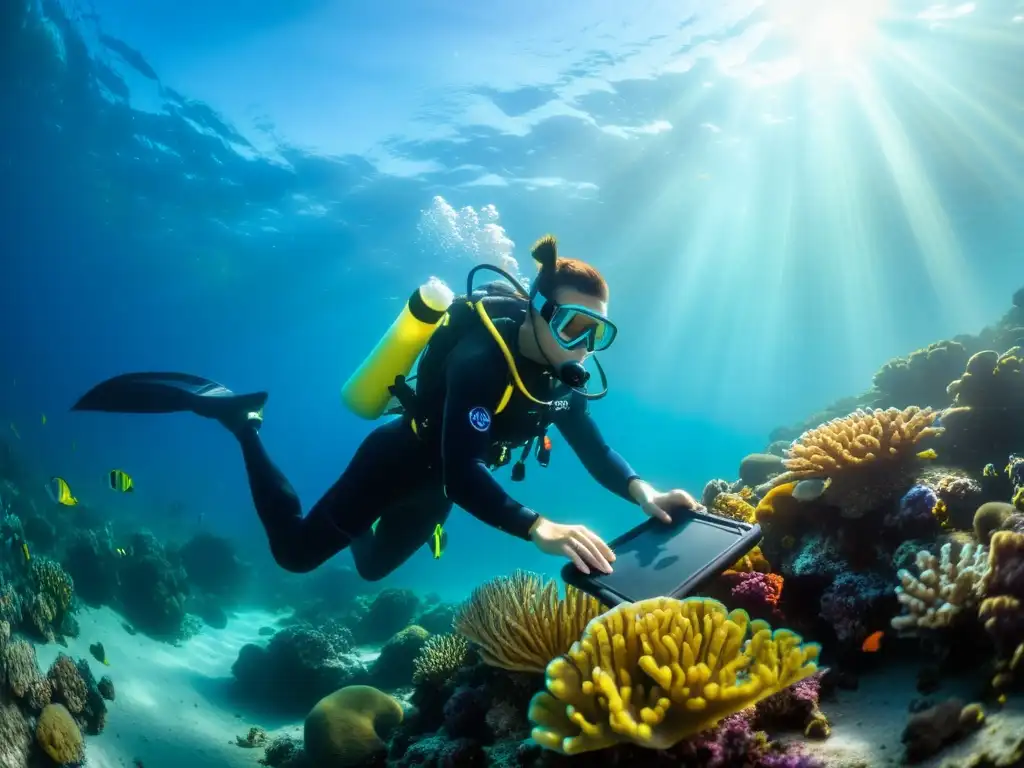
(173, 709)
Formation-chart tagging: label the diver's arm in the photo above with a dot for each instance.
(476, 379)
(604, 464)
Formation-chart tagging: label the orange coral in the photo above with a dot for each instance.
(862, 438)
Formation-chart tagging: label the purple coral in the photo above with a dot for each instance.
(757, 593)
(733, 742)
(852, 600)
(914, 518)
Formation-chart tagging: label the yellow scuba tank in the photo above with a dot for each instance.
(366, 391)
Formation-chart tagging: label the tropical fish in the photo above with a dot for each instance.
(873, 642)
(14, 429)
(927, 454)
(44, 419)
(24, 550)
(99, 653)
(122, 552)
(811, 489)
(119, 480)
(60, 492)
(990, 470)
(438, 541)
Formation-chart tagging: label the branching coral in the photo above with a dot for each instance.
(862, 438)
(1002, 609)
(943, 588)
(660, 670)
(865, 454)
(521, 623)
(439, 659)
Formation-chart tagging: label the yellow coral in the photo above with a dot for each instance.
(59, 736)
(754, 560)
(733, 505)
(521, 623)
(766, 507)
(439, 659)
(660, 670)
(342, 730)
(863, 437)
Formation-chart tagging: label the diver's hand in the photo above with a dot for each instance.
(659, 505)
(577, 542)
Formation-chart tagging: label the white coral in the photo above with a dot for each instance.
(942, 588)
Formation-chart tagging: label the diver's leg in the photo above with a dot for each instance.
(386, 466)
(402, 530)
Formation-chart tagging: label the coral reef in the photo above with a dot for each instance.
(345, 729)
(439, 659)
(660, 670)
(1002, 607)
(943, 589)
(395, 666)
(520, 623)
(153, 590)
(867, 455)
(299, 666)
(59, 736)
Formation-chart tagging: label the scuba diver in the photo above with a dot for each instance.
(496, 368)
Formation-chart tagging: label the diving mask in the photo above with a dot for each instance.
(574, 326)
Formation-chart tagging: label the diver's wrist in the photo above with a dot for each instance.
(640, 491)
(534, 526)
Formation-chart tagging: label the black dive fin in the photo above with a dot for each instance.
(168, 393)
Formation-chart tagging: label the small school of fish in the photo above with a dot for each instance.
(60, 492)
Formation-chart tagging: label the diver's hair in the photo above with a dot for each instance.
(558, 272)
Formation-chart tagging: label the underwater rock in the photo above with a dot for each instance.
(212, 566)
(92, 562)
(153, 591)
(712, 490)
(106, 688)
(299, 666)
(758, 468)
(438, 618)
(390, 611)
(928, 731)
(395, 665)
(284, 752)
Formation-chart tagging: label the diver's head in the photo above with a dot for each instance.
(568, 318)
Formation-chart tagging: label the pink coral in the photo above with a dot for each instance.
(757, 593)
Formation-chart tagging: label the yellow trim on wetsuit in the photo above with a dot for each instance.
(506, 353)
(485, 318)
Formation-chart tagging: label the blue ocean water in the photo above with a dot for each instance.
(782, 196)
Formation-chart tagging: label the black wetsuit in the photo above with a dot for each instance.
(410, 482)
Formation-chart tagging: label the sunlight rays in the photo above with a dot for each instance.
(827, 34)
(926, 216)
(762, 231)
